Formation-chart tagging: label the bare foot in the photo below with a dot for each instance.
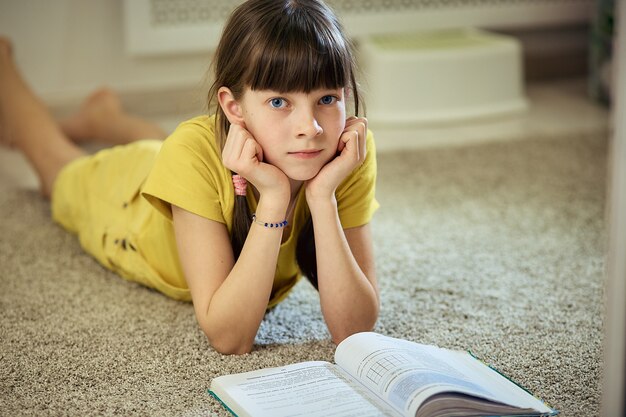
(101, 109)
(6, 62)
(6, 48)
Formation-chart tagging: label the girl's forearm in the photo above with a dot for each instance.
(238, 306)
(348, 299)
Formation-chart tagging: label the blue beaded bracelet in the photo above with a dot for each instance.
(284, 223)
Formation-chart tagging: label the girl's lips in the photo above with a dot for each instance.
(306, 154)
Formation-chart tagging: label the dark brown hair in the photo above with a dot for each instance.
(285, 46)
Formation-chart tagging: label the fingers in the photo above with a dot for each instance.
(351, 149)
(351, 143)
(352, 121)
(250, 150)
(240, 149)
(357, 125)
(233, 143)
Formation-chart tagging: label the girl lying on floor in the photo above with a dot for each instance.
(232, 208)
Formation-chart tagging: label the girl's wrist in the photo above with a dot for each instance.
(326, 206)
(272, 208)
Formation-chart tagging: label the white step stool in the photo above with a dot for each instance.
(441, 77)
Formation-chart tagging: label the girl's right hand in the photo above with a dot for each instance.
(243, 154)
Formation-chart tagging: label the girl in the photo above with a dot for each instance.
(232, 208)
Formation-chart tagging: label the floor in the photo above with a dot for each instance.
(555, 108)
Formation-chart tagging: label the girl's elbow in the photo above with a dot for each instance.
(227, 348)
(340, 335)
(226, 343)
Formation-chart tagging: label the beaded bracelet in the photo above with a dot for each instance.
(284, 223)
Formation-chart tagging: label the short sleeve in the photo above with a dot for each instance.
(188, 172)
(356, 196)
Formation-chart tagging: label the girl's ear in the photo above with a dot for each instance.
(230, 106)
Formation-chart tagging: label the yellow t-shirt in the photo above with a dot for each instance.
(189, 173)
(99, 197)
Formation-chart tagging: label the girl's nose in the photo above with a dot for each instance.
(307, 126)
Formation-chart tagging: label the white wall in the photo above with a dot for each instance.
(614, 384)
(66, 48)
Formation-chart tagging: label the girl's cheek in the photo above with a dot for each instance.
(340, 129)
(342, 122)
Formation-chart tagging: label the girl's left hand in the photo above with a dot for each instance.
(351, 151)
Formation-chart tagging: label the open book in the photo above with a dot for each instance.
(376, 375)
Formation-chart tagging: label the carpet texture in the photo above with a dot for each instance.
(497, 248)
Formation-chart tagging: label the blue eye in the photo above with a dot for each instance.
(277, 103)
(326, 100)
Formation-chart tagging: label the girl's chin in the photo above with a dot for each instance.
(301, 175)
(304, 170)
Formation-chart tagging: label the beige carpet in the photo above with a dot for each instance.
(497, 248)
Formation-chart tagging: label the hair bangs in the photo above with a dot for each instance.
(295, 57)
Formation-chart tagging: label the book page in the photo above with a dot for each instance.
(317, 389)
(405, 374)
(506, 390)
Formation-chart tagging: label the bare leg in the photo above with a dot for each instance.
(102, 118)
(27, 124)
